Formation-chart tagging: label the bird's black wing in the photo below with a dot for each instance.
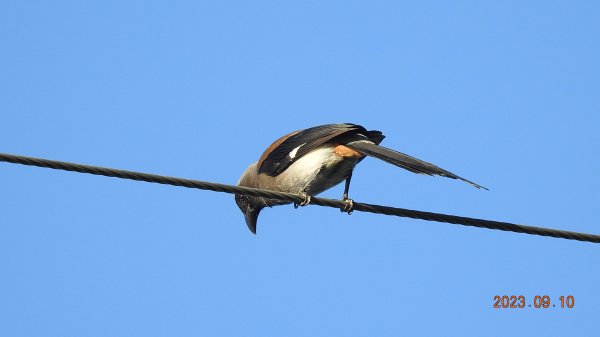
(277, 157)
(403, 160)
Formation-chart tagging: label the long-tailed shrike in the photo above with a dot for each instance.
(310, 161)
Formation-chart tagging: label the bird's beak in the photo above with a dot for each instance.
(251, 216)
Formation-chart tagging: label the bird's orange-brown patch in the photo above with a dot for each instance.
(344, 151)
(274, 146)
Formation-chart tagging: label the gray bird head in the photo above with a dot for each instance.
(250, 206)
(250, 209)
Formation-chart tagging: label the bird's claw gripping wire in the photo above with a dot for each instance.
(304, 202)
(348, 206)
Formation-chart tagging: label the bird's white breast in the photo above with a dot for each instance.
(314, 172)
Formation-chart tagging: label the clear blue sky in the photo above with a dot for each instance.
(503, 93)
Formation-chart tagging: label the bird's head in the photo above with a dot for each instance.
(250, 209)
(250, 206)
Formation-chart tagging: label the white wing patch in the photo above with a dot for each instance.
(294, 151)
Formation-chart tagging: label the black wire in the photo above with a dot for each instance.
(154, 178)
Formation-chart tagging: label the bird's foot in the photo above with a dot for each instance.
(348, 205)
(304, 202)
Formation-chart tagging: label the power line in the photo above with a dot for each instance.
(402, 212)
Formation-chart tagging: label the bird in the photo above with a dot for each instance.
(310, 161)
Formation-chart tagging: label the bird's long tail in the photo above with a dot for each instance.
(404, 161)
